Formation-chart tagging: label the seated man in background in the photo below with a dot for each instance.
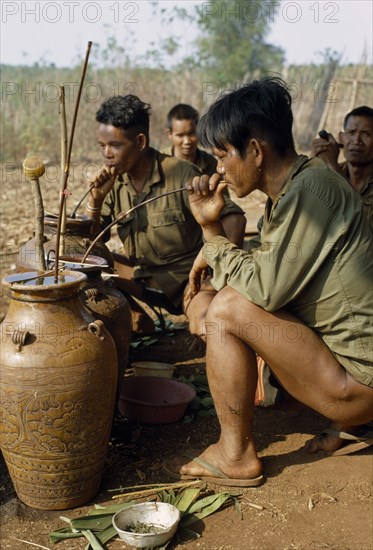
(162, 238)
(181, 130)
(357, 142)
(300, 297)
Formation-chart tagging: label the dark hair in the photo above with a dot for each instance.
(358, 111)
(182, 111)
(127, 112)
(260, 109)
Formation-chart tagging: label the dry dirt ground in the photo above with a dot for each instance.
(339, 488)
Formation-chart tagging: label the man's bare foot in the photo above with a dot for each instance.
(327, 442)
(245, 468)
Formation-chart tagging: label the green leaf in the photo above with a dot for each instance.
(68, 520)
(91, 523)
(63, 534)
(107, 534)
(208, 412)
(207, 401)
(92, 540)
(201, 379)
(111, 509)
(135, 345)
(167, 496)
(205, 510)
(186, 497)
(144, 342)
(204, 502)
(237, 505)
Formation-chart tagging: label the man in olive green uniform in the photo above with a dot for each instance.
(301, 298)
(181, 130)
(162, 238)
(357, 142)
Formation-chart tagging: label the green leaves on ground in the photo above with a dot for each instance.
(202, 404)
(167, 328)
(193, 509)
(97, 527)
(143, 342)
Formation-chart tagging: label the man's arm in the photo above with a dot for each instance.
(234, 228)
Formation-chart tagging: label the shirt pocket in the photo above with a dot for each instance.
(166, 232)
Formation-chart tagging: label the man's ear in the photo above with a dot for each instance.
(341, 136)
(141, 141)
(168, 133)
(257, 150)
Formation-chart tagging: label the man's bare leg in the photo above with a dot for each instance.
(300, 360)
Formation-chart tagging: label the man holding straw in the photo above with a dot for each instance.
(301, 297)
(161, 238)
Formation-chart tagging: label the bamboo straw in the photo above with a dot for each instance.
(67, 164)
(122, 215)
(62, 113)
(73, 213)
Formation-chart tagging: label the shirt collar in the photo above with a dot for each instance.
(295, 167)
(155, 175)
(344, 168)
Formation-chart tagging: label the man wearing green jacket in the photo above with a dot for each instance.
(301, 297)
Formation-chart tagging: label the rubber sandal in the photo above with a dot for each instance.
(218, 477)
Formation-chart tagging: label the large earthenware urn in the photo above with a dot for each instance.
(57, 391)
(106, 303)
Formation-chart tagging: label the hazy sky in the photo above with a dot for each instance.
(58, 31)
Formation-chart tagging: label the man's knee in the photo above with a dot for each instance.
(227, 306)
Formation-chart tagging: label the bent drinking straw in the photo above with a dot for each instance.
(122, 215)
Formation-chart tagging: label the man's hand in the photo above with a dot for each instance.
(205, 284)
(102, 183)
(326, 150)
(207, 201)
(197, 274)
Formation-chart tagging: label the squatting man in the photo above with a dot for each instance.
(322, 299)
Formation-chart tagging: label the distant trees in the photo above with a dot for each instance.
(230, 39)
(233, 38)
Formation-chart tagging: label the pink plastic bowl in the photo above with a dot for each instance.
(154, 400)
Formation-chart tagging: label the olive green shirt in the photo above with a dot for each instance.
(314, 259)
(162, 238)
(366, 194)
(205, 162)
